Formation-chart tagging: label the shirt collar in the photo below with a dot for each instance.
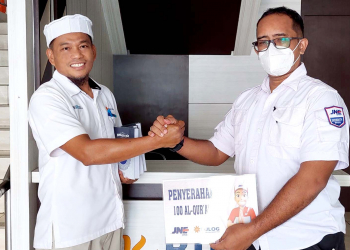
(292, 81)
(70, 86)
(94, 84)
(265, 86)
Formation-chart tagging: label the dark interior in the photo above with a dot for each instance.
(180, 27)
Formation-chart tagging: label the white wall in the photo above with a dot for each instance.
(292, 4)
(102, 71)
(215, 82)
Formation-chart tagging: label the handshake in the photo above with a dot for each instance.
(168, 131)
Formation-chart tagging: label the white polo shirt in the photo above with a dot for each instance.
(271, 134)
(80, 203)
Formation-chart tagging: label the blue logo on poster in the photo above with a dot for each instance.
(180, 230)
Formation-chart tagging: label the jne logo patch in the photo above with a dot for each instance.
(335, 116)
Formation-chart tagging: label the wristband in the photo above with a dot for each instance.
(178, 146)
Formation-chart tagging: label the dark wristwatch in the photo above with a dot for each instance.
(178, 146)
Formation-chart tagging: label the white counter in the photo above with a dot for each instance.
(157, 171)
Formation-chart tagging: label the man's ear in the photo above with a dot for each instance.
(303, 45)
(50, 56)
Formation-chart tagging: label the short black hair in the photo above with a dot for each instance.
(51, 43)
(298, 23)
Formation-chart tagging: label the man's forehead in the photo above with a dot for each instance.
(276, 25)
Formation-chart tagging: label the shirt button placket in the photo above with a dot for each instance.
(255, 150)
(119, 202)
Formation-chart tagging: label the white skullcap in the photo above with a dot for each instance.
(67, 24)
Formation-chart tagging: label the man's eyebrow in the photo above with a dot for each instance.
(62, 44)
(80, 42)
(280, 34)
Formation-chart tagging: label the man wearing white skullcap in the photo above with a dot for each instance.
(68, 24)
(73, 118)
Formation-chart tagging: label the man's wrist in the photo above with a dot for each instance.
(178, 146)
(156, 142)
(255, 228)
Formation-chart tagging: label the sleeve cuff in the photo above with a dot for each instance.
(219, 145)
(327, 156)
(62, 139)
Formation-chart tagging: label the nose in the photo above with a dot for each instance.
(76, 53)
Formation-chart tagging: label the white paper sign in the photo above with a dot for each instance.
(144, 228)
(200, 210)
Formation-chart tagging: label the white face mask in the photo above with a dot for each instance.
(277, 62)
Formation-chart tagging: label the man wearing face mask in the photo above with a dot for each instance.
(292, 132)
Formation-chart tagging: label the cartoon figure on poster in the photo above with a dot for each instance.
(242, 213)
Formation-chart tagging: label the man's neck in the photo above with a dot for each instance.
(86, 88)
(83, 84)
(275, 81)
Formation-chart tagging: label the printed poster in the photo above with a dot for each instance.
(200, 210)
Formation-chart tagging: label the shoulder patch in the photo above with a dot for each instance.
(335, 116)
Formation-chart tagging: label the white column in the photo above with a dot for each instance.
(248, 17)
(111, 12)
(23, 149)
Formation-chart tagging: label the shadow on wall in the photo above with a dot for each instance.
(3, 18)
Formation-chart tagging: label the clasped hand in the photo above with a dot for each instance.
(169, 131)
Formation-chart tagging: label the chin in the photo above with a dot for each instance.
(79, 73)
(78, 76)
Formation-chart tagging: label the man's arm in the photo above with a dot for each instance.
(199, 151)
(105, 151)
(202, 152)
(296, 194)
